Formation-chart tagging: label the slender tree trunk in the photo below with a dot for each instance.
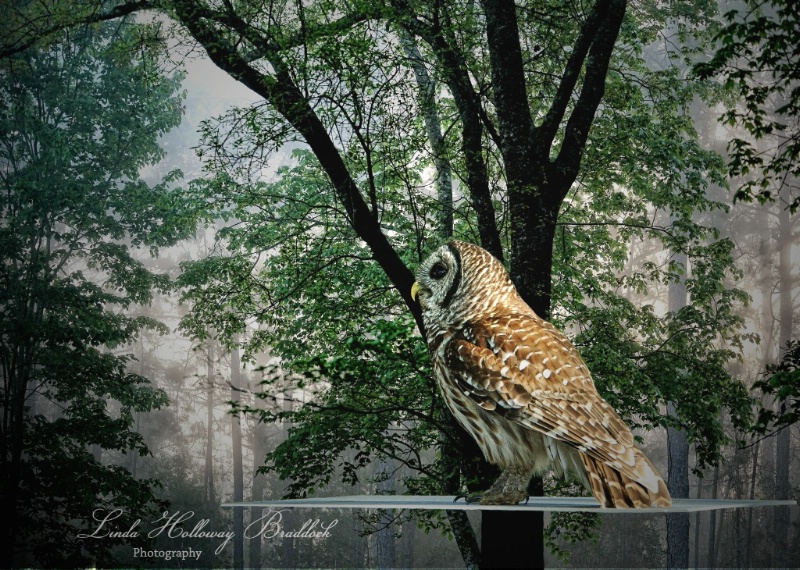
(257, 494)
(712, 526)
(238, 470)
(134, 461)
(766, 254)
(385, 536)
(751, 496)
(466, 539)
(408, 544)
(718, 539)
(433, 128)
(288, 544)
(767, 283)
(211, 494)
(19, 382)
(259, 445)
(468, 542)
(678, 483)
(678, 454)
(737, 523)
(408, 531)
(359, 557)
(697, 516)
(782, 441)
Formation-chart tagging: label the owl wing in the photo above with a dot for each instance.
(525, 369)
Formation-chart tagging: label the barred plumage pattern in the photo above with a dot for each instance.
(521, 389)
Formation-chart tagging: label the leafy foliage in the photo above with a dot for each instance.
(618, 241)
(374, 400)
(79, 120)
(782, 384)
(757, 58)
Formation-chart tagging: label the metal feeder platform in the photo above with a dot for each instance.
(561, 504)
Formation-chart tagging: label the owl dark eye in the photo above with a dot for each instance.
(438, 270)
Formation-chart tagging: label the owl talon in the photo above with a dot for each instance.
(468, 498)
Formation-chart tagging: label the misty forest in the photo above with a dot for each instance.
(212, 211)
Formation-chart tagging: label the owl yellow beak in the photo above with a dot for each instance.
(414, 291)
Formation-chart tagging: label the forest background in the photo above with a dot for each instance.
(182, 239)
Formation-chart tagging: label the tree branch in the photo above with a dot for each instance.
(33, 32)
(454, 71)
(508, 78)
(594, 85)
(282, 93)
(546, 131)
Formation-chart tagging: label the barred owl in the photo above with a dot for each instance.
(520, 389)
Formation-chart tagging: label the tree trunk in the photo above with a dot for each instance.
(288, 543)
(260, 447)
(409, 529)
(433, 128)
(254, 544)
(678, 483)
(767, 284)
(238, 471)
(712, 525)
(211, 494)
(678, 454)
(359, 555)
(718, 538)
(463, 532)
(768, 278)
(751, 496)
(385, 536)
(782, 441)
(697, 516)
(134, 461)
(537, 186)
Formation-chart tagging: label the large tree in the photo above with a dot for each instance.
(79, 119)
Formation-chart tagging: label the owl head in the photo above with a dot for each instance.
(460, 282)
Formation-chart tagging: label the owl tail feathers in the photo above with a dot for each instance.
(613, 489)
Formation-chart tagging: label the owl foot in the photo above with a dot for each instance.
(469, 498)
(505, 498)
(510, 488)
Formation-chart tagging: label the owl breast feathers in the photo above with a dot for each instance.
(521, 389)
